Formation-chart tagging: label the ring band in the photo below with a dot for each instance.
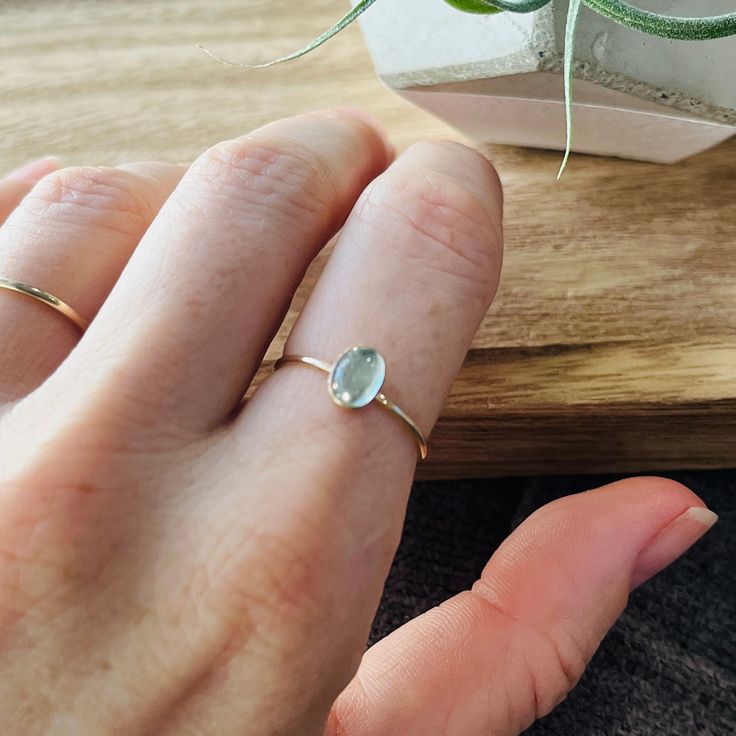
(45, 298)
(355, 380)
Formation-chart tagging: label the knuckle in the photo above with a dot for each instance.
(260, 178)
(262, 592)
(283, 585)
(555, 674)
(440, 223)
(94, 196)
(551, 661)
(43, 551)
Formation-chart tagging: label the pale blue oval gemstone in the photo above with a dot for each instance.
(357, 377)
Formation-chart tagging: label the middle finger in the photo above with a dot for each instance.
(185, 328)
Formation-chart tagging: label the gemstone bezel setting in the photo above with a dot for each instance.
(356, 377)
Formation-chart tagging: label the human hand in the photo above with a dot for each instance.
(171, 566)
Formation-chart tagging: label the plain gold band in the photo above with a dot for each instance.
(45, 298)
(381, 398)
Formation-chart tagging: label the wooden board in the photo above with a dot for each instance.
(612, 344)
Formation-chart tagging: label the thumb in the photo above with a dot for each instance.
(496, 657)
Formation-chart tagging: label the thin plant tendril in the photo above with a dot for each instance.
(344, 22)
(619, 11)
(573, 12)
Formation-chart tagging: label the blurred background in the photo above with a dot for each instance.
(101, 82)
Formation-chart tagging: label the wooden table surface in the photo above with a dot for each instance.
(612, 343)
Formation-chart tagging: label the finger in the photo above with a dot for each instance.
(70, 236)
(214, 275)
(494, 658)
(11, 194)
(412, 274)
(18, 183)
(35, 170)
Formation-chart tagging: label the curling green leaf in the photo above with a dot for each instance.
(475, 6)
(345, 21)
(521, 6)
(573, 12)
(666, 26)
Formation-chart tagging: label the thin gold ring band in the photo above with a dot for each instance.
(376, 395)
(45, 298)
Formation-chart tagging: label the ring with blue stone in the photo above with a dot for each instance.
(355, 380)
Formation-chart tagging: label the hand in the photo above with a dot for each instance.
(170, 566)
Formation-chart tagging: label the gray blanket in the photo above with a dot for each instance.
(667, 668)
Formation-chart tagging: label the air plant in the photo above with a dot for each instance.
(655, 24)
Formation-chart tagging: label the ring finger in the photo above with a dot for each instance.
(412, 275)
(70, 236)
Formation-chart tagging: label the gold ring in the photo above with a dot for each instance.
(45, 298)
(355, 380)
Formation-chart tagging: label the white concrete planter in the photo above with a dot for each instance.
(498, 78)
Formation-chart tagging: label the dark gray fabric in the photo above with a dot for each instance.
(667, 668)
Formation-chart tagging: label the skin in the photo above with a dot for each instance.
(170, 565)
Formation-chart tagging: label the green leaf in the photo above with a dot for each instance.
(475, 6)
(573, 12)
(345, 21)
(521, 6)
(666, 26)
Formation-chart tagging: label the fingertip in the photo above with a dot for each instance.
(666, 495)
(671, 542)
(604, 541)
(674, 516)
(35, 170)
(702, 515)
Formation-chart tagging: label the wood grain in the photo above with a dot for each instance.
(612, 343)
